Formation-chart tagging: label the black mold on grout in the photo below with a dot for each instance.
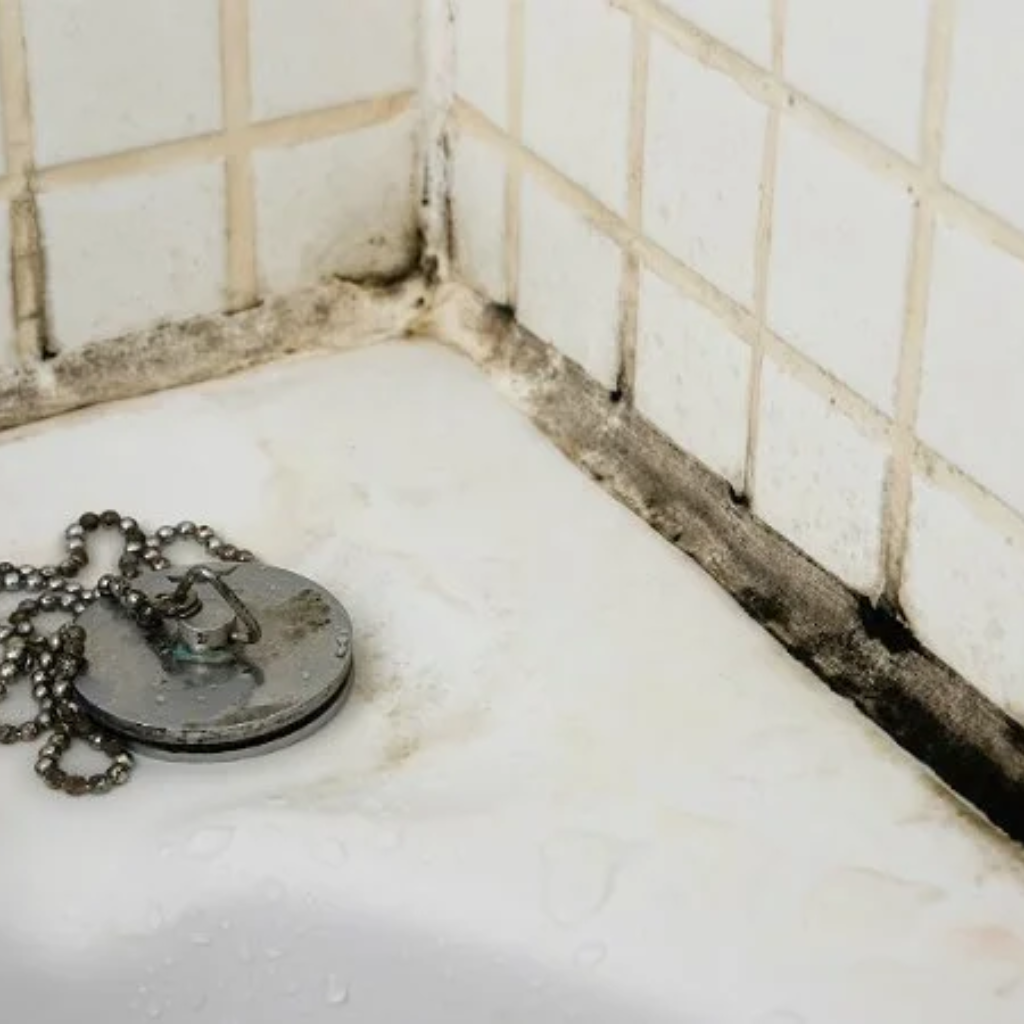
(739, 498)
(864, 651)
(884, 621)
(503, 313)
(621, 390)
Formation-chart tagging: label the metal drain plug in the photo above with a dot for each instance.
(241, 660)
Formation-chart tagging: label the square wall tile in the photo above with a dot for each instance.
(865, 60)
(342, 205)
(745, 25)
(569, 281)
(7, 330)
(819, 479)
(125, 254)
(577, 91)
(110, 75)
(702, 169)
(692, 376)
(964, 593)
(973, 364)
(839, 263)
(984, 146)
(478, 212)
(481, 56)
(308, 54)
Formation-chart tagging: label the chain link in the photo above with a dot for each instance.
(49, 664)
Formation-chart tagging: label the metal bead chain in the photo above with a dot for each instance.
(50, 664)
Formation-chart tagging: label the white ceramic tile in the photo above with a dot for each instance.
(342, 205)
(478, 212)
(819, 479)
(692, 377)
(569, 281)
(973, 362)
(864, 59)
(746, 25)
(576, 94)
(984, 146)
(308, 54)
(109, 75)
(702, 181)
(964, 593)
(481, 56)
(127, 253)
(840, 250)
(7, 335)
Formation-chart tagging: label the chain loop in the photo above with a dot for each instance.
(49, 664)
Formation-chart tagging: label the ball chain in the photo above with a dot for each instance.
(49, 664)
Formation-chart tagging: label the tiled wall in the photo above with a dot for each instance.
(792, 232)
(163, 158)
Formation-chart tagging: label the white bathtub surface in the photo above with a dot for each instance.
(575, 782)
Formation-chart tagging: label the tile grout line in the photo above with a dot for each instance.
(739, 320)
(997, 513)
(437, 70)
(961, 210)
(289, 130)
(237, 104)
(28, 265)
(762, 268)
(516, 57)
(629, 299)
(896, 513)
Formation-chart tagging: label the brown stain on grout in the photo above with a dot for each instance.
(241, 276)
(899, 483)
(762, 254)
(27, 251)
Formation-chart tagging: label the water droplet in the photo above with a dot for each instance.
(274, 952)
(245, 952)
(337, 991)
(590, 954)
(579, 875)
(201, 939)
(331, 852)
(200, 698)
(154, 917)
(169, 961)
(305, 675)
(209, 843)
(273, 890)
(161, 698)
(225, 925)
(154, 1009)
